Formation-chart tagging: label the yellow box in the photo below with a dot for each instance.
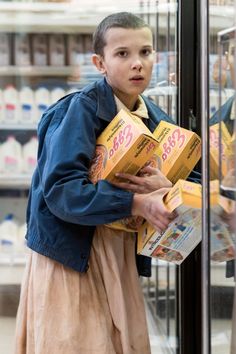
(219, 202)
(125, 145)
(183, 233)
(226, 145)
(178, 151)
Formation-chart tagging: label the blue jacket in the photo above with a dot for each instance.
(64, 207)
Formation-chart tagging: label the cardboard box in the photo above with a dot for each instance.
(125, 145)
(5, 50)
(183, 233)
(22, 49)
(57, 49)
(226, 146)
(178, 151)
(40, 49)
(75, 49)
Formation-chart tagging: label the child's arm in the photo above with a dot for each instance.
(149, 180)
(67, 139)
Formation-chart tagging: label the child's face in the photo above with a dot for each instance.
(127, 62)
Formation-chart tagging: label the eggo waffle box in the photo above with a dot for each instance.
(125, 145)
(183, 233)
(226, 147)
(178, 150)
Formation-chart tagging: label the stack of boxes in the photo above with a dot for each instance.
(127, 145)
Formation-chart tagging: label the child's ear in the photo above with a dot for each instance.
(98, 62)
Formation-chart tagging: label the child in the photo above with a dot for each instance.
(81, 291)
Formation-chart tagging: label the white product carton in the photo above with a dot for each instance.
(27, 105)
(75, 49)
(29, 151)
(5, 56)
(11, 104)
(42, 101)
(22, 49)
(88, 48)
(40, 49)
(11, 156)
(57, 50)
(8, 233)
(1, 107)
(21, 241)
(57, 93)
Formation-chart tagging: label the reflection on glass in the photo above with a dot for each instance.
(160, 289)
(164, 84)
(222, 177)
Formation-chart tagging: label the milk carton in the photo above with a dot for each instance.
(21, 241)
(1, 107)
(88, 48)
(42, 101)
(29, 151)
(11, 156)
(75, 49)
(40, 49)
(11, 105)
(57, 93)
(5, 56)
(22, 49)
(8, 233)
(27, 105)
(57, 50)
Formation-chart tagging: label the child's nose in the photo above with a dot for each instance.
(137, 64)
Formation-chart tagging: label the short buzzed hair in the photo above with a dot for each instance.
(121, 20)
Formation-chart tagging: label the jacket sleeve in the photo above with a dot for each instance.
(67, 139)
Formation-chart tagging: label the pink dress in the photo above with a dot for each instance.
(62, 311)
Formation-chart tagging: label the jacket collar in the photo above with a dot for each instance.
(106, 106)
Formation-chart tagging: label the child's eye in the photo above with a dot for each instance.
(122, 54)
(146, 52)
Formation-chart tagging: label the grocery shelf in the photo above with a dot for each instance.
(13, 70)
(11, 269)
(18, 126)
(19, 181)
(70, 17)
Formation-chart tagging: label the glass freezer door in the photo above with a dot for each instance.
(219, 215)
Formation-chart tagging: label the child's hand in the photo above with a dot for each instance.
(151, 207)
(149, 180)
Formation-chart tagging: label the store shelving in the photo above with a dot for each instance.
(31, 70)
(16, 181)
